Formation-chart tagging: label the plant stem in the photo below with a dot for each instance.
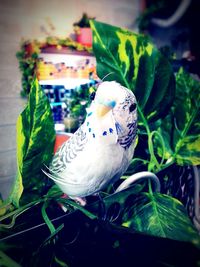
(166, 165)
(153, 159)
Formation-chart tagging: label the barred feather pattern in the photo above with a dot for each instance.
(69, 150)
(126, 142)
(127, 138)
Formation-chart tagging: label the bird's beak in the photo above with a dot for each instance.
(102, 110)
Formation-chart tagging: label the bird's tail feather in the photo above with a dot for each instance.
(57, 177)
(54, 178)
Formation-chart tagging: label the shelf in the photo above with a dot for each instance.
(68, 83)
(65, 50)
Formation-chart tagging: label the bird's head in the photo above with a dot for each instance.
(118, 101)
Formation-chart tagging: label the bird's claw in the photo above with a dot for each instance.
(80, 200)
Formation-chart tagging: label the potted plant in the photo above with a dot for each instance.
(141, 225)
(83, 30)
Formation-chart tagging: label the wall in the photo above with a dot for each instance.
(31, 19)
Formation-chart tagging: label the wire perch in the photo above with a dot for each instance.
(138, 176)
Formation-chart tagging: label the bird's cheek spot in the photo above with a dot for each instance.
(93, 135)
(104, 133)
(110, 130)
(89, 114)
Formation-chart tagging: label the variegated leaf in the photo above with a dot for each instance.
(35, 142)
(160, 215)
(181, 128)
(133, 61)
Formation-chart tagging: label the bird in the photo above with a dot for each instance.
(100, 151)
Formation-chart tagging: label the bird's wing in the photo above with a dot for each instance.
(69, 151)
(69, 161)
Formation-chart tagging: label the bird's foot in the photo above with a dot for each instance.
(80, 200)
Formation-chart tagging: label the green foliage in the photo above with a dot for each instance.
(172, 114)
(168, 121)
(168, 133)
(35, 142)
(133, 61)
(80, 100)
(27, 57)
(181, 128)
(97, 228)
(7, 261)
(160, 215)
(150, 213)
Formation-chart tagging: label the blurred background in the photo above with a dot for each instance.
(171, 25)
(29, 20)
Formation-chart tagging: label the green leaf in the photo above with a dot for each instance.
(50, 225)
(6, 261)
(181, 128)
(112, 207)
(162, 216)
(35, 142)
(48, 222)
(54, 191)
(133, 61)
(60, 262)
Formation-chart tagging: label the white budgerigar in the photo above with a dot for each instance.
(99, 152)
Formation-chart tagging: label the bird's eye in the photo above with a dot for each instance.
(92, 96)
(132, 107)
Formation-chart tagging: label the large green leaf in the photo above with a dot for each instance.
(181, 128)
(133, 61)
(149, 213)
(162, 216)
(35, 142)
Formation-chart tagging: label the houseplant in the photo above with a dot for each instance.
(162, 96)
(83, 31)
(136, 226)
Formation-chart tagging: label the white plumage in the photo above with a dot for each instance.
(100, 151)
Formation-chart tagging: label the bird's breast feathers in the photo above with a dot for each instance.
(93, 166)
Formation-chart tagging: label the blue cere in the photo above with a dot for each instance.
(107, 103)
(111, 104)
